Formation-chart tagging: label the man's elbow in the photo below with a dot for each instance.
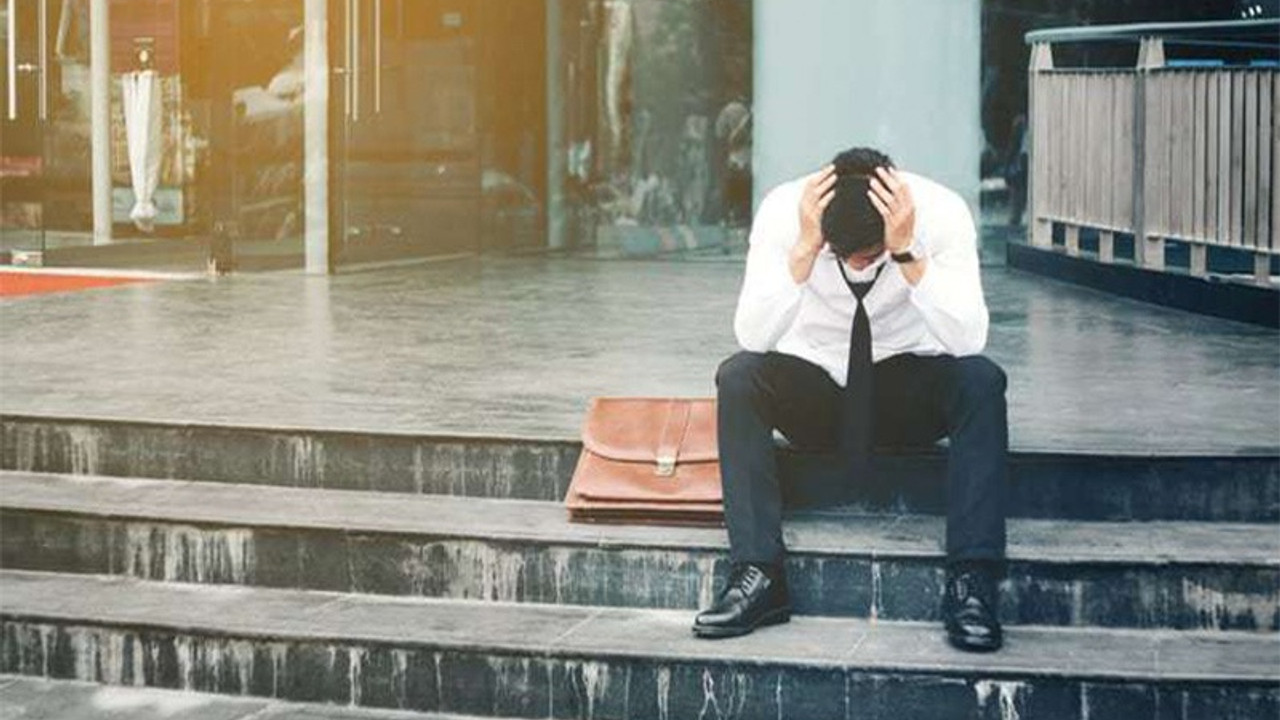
(750, 337)
(972, 342)
(753, 342)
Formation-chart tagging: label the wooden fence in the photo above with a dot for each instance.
(1162, 153)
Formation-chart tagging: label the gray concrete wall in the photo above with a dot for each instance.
(901, 75)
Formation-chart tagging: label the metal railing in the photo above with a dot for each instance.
(1161, 151)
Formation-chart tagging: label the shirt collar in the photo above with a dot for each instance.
(867, 273)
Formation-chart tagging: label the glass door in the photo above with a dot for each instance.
(406, 176)
(45, 164)
(25, 110)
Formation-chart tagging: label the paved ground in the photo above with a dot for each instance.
(514, 347)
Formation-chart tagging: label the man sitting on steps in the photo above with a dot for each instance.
(861, 318)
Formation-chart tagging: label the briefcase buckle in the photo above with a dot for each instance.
(666, 466)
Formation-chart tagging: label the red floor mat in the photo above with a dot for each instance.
(14, 283)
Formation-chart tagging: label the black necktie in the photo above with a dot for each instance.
(859, 391)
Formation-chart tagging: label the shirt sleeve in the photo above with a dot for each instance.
(770, 297)
(949, 296)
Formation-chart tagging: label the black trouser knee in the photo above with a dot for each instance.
(758, 392)
(978, 428)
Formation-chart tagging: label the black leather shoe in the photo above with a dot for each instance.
(970, 608)
(754, 597)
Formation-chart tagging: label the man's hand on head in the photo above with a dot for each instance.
(892, 198)
(819, 189)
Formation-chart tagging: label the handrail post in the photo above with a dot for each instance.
(1041, 230)
(1148, 251)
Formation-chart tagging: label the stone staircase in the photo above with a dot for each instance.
(439, 574)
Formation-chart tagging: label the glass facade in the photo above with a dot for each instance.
(658, 98)
(44, 145)
(250, 63)
(438, 121)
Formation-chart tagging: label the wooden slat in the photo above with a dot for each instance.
(1053, 120)
(1266, 170)
(1165, 132)
(1174, 187)
(1237, 156)
(1068, 148)
(1249, 201)
(1088, 117)
(1275, 161)
(1106, 121)
(1075, 185)
(1049, 131)
(1197, 179)
(1211, 161)
(1182, 183)
(1053, 134)
(1053, 123)
(1124, 152)
(1154, 145)
(1072, 236)
(1108, 153)
(1106, 246)
(1080, 168)
(1093, 173)
(1224, 158)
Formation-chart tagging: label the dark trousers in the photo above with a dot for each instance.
(918, 400)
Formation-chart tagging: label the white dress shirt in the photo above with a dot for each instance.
(944, 313)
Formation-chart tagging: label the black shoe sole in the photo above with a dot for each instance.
(975, 646)
(719, 632)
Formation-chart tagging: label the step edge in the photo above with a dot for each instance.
(539, 650)
(558, 649)
(1028, 452)
(600, 533)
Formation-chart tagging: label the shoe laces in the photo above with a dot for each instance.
(971, 585)
(745, 577)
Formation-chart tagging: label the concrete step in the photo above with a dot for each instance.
(38, 698)
(1236, 488)
(1223, 576)
(499, 659)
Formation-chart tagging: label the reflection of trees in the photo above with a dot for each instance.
(668, 69)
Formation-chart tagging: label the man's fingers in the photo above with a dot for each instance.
(889, 178)
(821, 175)
(825, 200)
(883, 192)
(880, 205)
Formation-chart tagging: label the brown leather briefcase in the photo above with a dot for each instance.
(648, 461)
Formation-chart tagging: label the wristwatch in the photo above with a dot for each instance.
(906, 256)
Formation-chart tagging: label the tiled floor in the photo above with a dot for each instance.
(514, 347)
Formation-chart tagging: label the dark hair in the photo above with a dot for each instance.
(851, 223)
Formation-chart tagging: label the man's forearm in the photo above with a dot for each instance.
(801, 260)
(914, 271)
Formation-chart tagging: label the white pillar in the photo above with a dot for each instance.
(556, 150)
(899, 75)
(316, 137)
(100, 118)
